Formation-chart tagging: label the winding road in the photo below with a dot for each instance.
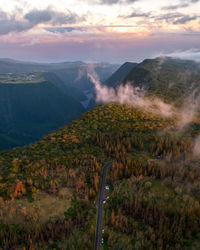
(98, 234)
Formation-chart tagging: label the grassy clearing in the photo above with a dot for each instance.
(43, 208)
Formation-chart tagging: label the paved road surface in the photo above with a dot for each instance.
(98, 235)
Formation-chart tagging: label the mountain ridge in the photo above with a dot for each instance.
(120, 74)
(34, 109)
(171, 79)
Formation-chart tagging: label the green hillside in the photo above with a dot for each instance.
(49, 189)
(76, 76)
(72, 90)
(173, 80)
(57, 94)
(29, 111)
(118, 76)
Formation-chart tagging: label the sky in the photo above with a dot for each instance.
(112, 31)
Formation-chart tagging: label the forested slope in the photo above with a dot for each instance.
(154, 184)
(31, 110)
(172, 80)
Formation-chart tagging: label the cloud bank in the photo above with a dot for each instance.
(12, 23)
(111, 2)
(181, 4)
(192, 54)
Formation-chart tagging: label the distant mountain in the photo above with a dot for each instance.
(37, 98)
(120, 74)
(79, 85)
(71, 90)
(31, 108)
(71, 73)
(77, 76)
(168, 78)
(14, 66)
(29, 111)
(72, 77)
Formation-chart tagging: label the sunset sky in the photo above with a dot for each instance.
(99, 30)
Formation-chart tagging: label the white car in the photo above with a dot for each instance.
(107, 187)
(102, 240)
(104, 201)
(102, 231)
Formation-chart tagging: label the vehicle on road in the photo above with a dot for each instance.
(103, 194)
(107, 187)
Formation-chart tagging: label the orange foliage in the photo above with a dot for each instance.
(19, 190)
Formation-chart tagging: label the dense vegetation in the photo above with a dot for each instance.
(173, 80)
(29, 111)
(56, 94)
(155, 192)
(118, 76)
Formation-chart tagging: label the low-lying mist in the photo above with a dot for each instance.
(196, 151)
(129, 95)
(189, 110)
(135, 96)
